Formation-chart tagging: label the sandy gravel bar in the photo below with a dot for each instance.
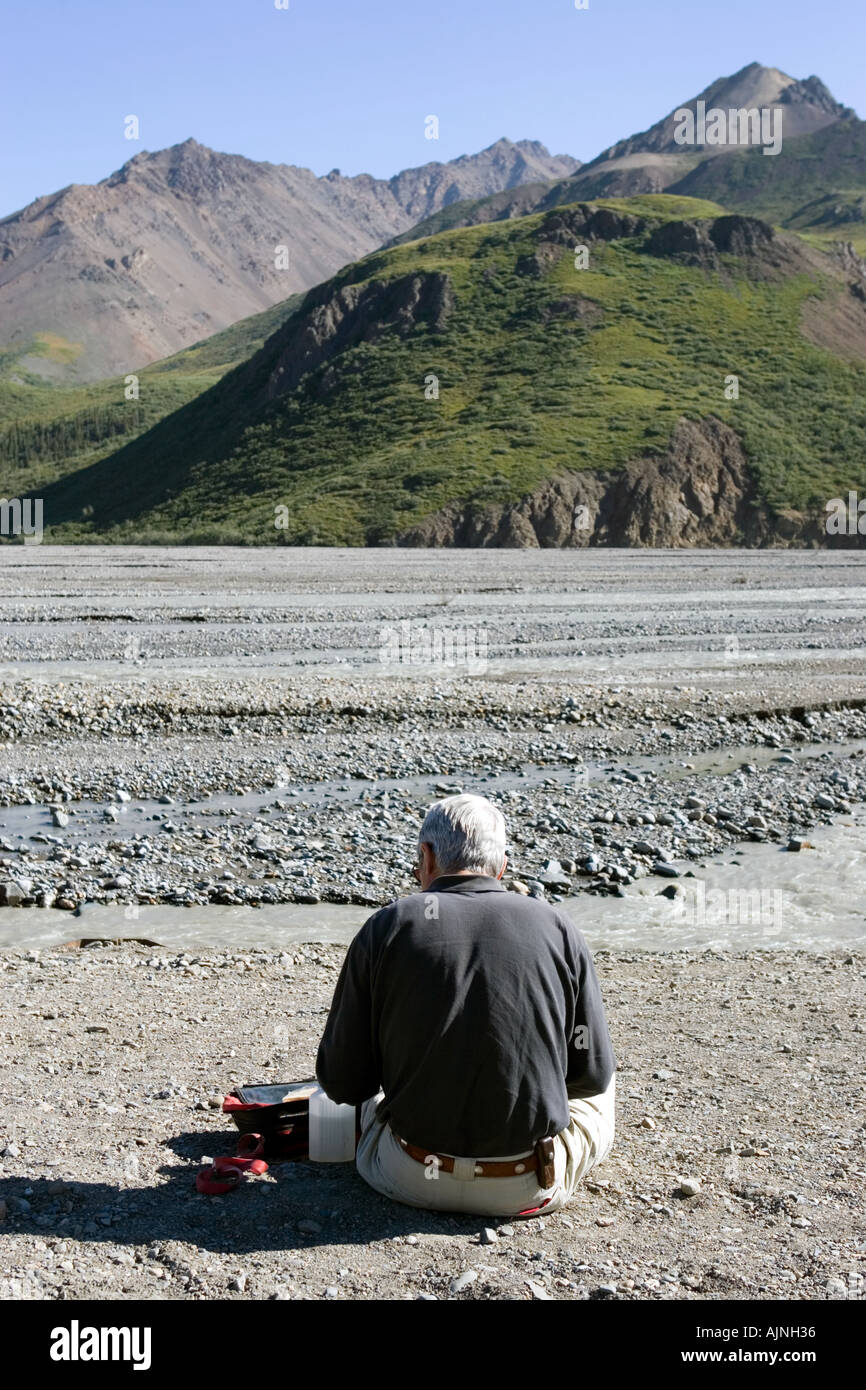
(740, 1072)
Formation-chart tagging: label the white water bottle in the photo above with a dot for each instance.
(332, 1129)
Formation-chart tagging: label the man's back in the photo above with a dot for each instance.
(472, 1008)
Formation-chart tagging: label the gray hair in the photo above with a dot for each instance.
(465, 832)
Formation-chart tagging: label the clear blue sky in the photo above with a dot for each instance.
(348, 83)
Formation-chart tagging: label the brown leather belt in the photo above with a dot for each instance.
(539, 1160)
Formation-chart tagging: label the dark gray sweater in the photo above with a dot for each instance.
(478, 1013)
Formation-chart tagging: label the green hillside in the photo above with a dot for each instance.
(49, 431)
(542, 367)
(815, 182)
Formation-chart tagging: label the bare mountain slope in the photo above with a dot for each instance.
(102, 279)
(652, 161)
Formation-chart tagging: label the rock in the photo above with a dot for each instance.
(518, 887)
(666, 870)
(332, 1291)
(11, 894)
(308, 1227)
(60, 819)
(537, 1291)
(795, 845)
(239, 1283)
(824, 803)
(506, 1230)
(673, 890)
(121, 795)
(662, 1075)
(689, 1187)
(554, 875)
(488, 1236)
(462, 1281)
(647, 1122)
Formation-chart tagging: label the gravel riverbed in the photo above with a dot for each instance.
(198, 728)
(739, 1075)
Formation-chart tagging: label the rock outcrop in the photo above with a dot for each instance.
(699, 493)
(358, 314)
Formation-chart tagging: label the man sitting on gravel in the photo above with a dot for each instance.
(468, 1023)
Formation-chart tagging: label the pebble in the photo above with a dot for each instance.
(489, 1236)
(538, 1291)
(462, 1281)
(689, 1187)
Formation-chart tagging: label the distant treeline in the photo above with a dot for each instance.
(24, 442)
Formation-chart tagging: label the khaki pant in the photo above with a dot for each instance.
(385, 1165)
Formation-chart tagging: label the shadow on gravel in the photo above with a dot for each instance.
(298, 1205)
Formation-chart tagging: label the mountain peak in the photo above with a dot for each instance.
(808, 105)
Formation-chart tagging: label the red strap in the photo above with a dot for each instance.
(250, 1146)
(214, 1183)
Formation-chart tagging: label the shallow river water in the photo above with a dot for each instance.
(813, 901)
